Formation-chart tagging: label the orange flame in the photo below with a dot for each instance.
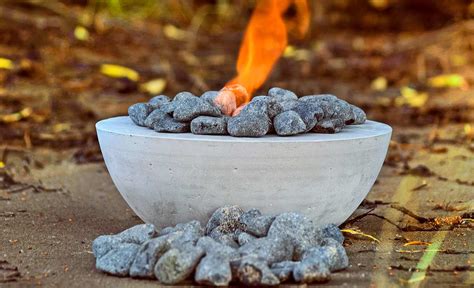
(264, 42)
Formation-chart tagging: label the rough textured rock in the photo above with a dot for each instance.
(210, 246)
(177, 264)
(270, 249)
(159, 101)
(189, 107)
(118, 260)
(147, 256)
(288, 123)
(209, 96)
(332, 231)
(334, 252)
(248, 126)
(298, 229)
(221, 235)
(358, 115)
(207, 125)
(313, 268)
(310, 113)
(139, 112)
(282, 95)
(161, 121)
(245, 238)
(137, 234)
(283, 270)
(227, 217)
(253, 271)
(329, 126)
(213, 270)
(255, 223)
(255, 107)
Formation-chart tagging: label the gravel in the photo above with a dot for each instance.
(280, 112)
(235, 246)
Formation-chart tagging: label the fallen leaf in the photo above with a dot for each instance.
(117, 71)
(411, 97)
(6, 64)
(297, 54)
(17, 116)
(174, 32)
(360, 233)
(81, 33)
(2, 164)
(416, 243)
(379, 84)
(448, 81)
(155, 86)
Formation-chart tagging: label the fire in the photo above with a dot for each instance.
(264, 41)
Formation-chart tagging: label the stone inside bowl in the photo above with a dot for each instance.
(172, 178)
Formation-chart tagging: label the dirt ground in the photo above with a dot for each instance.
(56, 195)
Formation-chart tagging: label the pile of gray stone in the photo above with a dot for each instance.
(235, 246)
(280, 112)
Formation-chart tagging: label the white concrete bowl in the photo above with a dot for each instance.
(172, 178)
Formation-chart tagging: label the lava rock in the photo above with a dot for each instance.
(223, 238)
(255, 223)
(298, 229)
(269, 249)
(332, 231)
(359, 116)
(281, 94)
(137, 234)
(147, 256)
(177, 264)
(206, 125)
(158, 101)
(161, 121)
(334, 252)
(210, 246)
(312, 268)
(288, 123)
(245, 238)
(248, 125)
(139, 112)
(329, 126)
(227, 217)
(283, 270)
(210, 96)
(310, 113)
(253, 271)
(183, 96)
(255, 107)
(189, 107)
(213, 270)
(118, 260)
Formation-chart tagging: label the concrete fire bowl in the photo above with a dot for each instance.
(171, 178)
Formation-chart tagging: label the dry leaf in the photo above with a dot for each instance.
(6, 64)
(416, 243)
(81, 33)
(14, 117)
(2, 164)
(297, 54)
(448, 81)
(174, 32)
(117, 71)
(411, 97)
(379, 84)
(360, 233)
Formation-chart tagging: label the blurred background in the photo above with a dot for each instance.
(66, 64)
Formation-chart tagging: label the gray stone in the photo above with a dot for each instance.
(177, 264)
(227, 217)
(147, 256)
(245, 238)
(161, 121)
(288, 105)
(288, 123)
(213, 270)
(281, 94)
(298, 229)
(332, 231)
(255, 223)
(158, 101)
(334, 252)
(269, 249)
(310, 113)
(182, 96)
(118, 260)
(344, 111)
(189, 107)
(219, 234)
(358, 115)
(210, 96)
(137, 234)
(249, 125)
(139, 111)
(329, 126)
(210, 246)
(255, 107)
(253, 271)
(313, 268)
(283, 270)
(207, 125)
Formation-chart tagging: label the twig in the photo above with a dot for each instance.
(404, 210)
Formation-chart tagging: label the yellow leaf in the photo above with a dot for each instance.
(117, 71)
(416, 243)
(379, 84)
(360, 233)
(2, 165)
(81, 33)
(14, 117)
(297, 54)
(6, 64)
(174, 32)
(458, 60)
(448, 81)
(468, 130)
(411, 97)
(155, 86)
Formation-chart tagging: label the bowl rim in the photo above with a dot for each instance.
(123, 125)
